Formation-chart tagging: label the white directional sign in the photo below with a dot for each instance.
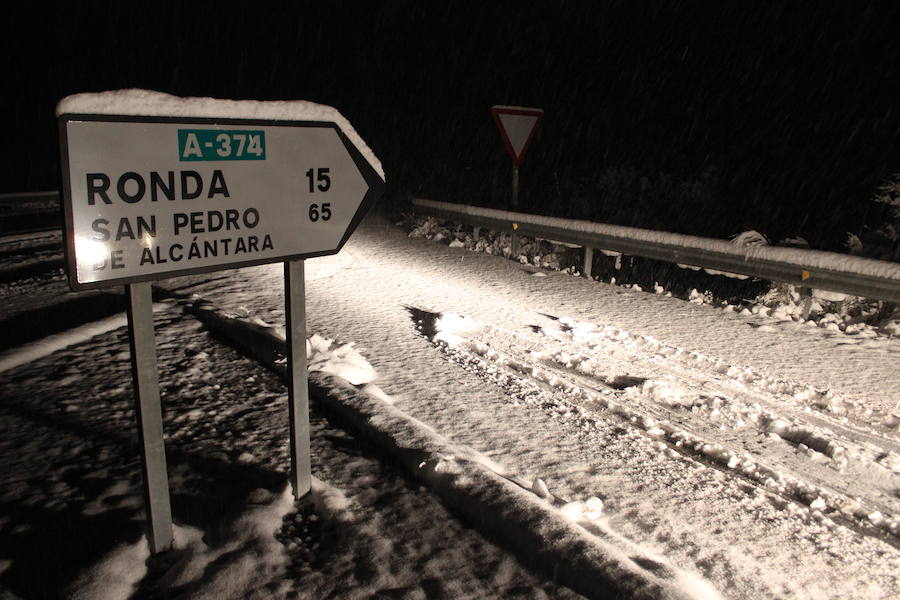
(517, 127)
(150, 193)
(153, 197)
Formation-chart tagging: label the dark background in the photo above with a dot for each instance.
(697, 117)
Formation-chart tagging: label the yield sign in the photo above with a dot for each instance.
(517, 126)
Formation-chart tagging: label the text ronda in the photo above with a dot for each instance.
(132, 187)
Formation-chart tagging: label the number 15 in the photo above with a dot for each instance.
(322, 180)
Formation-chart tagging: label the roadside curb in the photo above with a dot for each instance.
(30, 269)
(580, 554)
(68, 311)
(71, 310)
(28, 249)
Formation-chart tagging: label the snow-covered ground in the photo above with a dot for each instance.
(71, 513)
(754, 451)
(751, 451)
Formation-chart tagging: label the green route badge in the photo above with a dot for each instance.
(221, 144)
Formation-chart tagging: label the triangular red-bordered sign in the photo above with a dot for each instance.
(517, 126)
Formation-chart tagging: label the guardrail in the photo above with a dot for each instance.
(29, 202)
(808, 269)
(29, 210)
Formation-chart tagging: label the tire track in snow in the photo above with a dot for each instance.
(720, 395)
(657, 406)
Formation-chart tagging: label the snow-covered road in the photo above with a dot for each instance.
(758, 453)
(71, 513)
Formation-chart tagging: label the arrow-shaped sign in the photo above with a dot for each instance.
(152, 197)
(517, 126)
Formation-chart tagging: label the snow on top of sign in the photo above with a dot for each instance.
(157, 104)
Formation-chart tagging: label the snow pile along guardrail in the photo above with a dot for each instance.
(830, 271)
(569, 545)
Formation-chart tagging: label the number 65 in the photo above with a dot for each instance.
(315, 213)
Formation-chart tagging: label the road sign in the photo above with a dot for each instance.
(152, 197)
(147, 197)
(517, 127)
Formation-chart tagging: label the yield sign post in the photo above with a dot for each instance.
(517, 126)
(156, 186)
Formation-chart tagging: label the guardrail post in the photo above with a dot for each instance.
(806, 298)
(588, 261)
(475, 233)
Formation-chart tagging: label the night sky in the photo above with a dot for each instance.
(698, 117)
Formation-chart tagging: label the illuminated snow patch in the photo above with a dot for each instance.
(341, 360)
(453, 329)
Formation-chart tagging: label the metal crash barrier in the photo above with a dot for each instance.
(829, 271)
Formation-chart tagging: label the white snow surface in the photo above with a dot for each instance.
(340, 360)
(803, 259)
(240, 567)
(115, 576)
(139, 102)
(756, 452)
(70, 485)
(746, 451)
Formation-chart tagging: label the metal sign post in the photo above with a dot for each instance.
(148, 414)
(298, 388)
(515, 187)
